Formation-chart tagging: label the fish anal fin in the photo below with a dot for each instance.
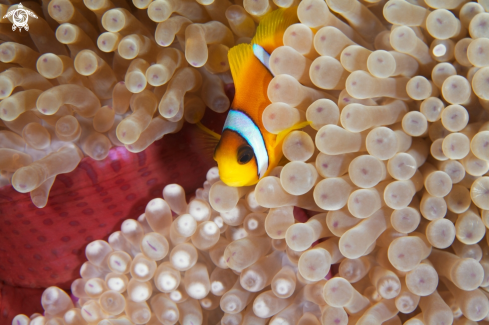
(282, 134)
(283, 161)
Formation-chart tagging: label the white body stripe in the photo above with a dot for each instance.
(242, 124)
(262, 55)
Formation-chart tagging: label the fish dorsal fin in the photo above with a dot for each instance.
(239, 57)
(282, 134)
(270, 31)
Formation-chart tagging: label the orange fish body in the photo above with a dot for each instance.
(246, 151)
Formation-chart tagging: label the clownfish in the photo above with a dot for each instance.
(246, 151)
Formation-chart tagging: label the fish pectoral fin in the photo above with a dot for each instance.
(206, 140)
(282, 134)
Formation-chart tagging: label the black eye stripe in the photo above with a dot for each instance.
(245, 154)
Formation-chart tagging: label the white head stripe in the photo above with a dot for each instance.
(243, 125)
(262, 55)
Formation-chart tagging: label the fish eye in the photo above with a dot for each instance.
(245, 154)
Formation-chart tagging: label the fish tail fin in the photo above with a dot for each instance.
(282, 134)
(269, 36)
(269, 33)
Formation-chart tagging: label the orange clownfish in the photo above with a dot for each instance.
(246, 151)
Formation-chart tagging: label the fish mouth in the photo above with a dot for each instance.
(234, 180)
